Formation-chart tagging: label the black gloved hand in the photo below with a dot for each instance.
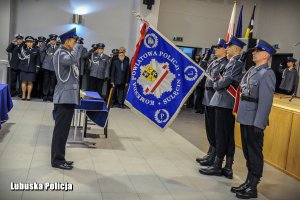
(258, 130)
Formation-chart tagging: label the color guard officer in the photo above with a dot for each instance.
(257, 90)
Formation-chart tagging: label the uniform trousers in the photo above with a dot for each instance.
(49, 83)
(14, 79)
(96, 84)
(63, 118)
(252, 148)
(198, 95)
(210, 125)
(224, 132)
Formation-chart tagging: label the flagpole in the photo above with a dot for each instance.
(143, 20)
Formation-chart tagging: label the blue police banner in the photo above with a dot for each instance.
(162, 78)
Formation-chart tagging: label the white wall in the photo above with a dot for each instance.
(200, 22)
(109, 22)
(4, 30)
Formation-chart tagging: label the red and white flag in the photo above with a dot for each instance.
(231, 23)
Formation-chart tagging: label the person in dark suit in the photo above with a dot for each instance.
(29, 64)
(120, 77)
(290, 78)
(14, 48)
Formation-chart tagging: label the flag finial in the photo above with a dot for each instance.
(139, 17)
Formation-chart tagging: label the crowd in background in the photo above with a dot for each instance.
(32, 71)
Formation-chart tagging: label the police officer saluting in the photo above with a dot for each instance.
(213, 70)
(224, 103)
(82, 60)
(49, 74)
(66, 96)
(99, 69)
(14, 49)
(257, 89)
(29, 57)
(290, 78)
(41, 44)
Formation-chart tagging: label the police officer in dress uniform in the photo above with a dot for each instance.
(29, 64)
(290, 78)
(38, 88)
(49, 74)
(257, 90)
(87, 57)
(223, 103)
(66, 96)
(14, 49)
(213, 71)
(99, 69)
(82, 61)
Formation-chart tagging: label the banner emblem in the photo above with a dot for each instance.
(151, 41)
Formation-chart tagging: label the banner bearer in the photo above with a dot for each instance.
(213, 71)
(224, 103)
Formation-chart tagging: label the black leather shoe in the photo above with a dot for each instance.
(227, 170)
(214, 170)
(248, 193)
(50, 99)
(45, 98)
(206, 156)
(242, 187)
(198, 160)
(209, 161)
(211, 171)
(69, 162)
(64, 166)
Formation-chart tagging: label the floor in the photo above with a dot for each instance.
(136, 162)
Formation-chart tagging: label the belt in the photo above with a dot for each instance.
(250, 99)
(210, 89)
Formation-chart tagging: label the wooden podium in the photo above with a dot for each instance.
(282, 136)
